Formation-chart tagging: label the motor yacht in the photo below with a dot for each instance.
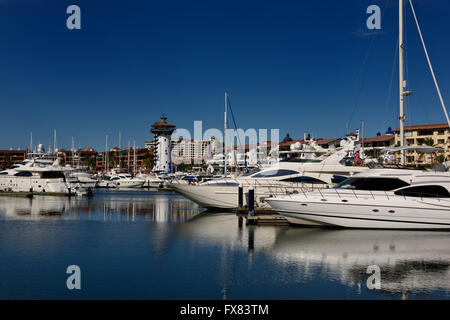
(126, 180)
(84, 178)
(317, 169)
(35, 176)
(377, 199)
(151, 180)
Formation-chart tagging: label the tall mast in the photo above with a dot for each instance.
(402, 82)
(106, 154)
(225, 136)
(134, 157)
(129, 156)
(31, 142)
(55, 142)
(362, 139)
(73, 152)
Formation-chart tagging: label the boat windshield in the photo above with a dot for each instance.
(52, 175)
(253, 171)
(300, 160)
(375, 184)
(274, 173)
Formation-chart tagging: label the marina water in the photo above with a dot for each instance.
(141, 244)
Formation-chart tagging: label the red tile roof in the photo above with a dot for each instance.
(387, 137)
(425, 127)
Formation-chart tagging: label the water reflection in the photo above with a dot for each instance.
(413, 263)
(410, 261)
(218, 251)
(105, 205)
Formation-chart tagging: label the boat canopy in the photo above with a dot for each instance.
(423, 149)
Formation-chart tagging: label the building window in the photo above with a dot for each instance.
(441, 132)
(425, 132)
(441, 141)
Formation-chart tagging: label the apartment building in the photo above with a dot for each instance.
(436, 135)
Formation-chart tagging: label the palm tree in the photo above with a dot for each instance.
(148, 160)
(373, 153)
(427, 142)
(90, 163)
(112, 159)
(430, 142)
(440, 158)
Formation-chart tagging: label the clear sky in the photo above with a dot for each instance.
(293, 65)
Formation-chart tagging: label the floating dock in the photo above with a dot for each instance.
(31, 194)
(263, 216)
(16, 194)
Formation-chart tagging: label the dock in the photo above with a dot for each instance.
(22, 194)
(262, 216)
(16, 194)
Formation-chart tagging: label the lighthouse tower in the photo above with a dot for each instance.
(162, 131)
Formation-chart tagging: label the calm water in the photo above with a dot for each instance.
(155, 245)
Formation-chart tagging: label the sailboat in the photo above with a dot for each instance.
(379, 198)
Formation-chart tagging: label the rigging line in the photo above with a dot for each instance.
(405, 43)
(235, 127)
(369, 50)
(429, 64)
(390, 84)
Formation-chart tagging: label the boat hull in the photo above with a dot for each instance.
(372, 214)
(129, 183)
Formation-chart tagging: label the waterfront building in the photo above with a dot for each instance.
(436, 135)
(125, 160)
(8, 157)
(194, 151)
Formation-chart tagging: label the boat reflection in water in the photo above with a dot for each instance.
(105, 205)
(150, 233)
(34, 208)
(411, 262)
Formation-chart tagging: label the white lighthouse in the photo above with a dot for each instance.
(162, 131)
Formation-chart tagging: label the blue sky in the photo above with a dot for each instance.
(291, 65)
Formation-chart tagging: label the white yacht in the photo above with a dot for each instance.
(380, 198)
(151, 180)
(288, 176)
(31, 175)
(84, 178)
(107, 184)
(376, 199)
(125, 180)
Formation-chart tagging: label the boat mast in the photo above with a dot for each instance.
(134, 157)
(73, 153)
(55, 143)
(106, 154)
(225, 137)
(31, 142)
(402, 82)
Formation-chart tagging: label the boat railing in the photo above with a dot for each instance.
(385, 195)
